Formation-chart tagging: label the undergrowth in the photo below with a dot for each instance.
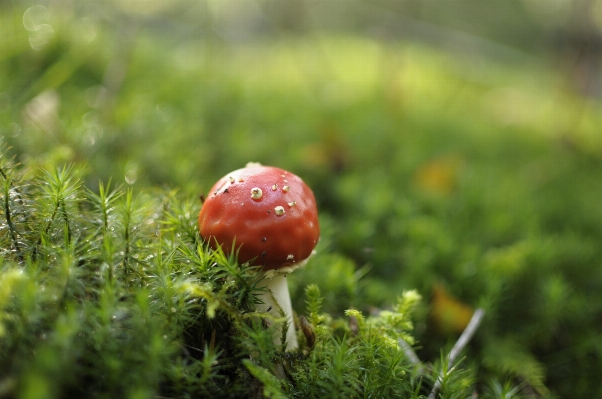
(473, 180)
(109, 293)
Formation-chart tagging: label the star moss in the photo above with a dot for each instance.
(111, 293)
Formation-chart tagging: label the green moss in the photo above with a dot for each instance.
(112, 294)
(431, 171)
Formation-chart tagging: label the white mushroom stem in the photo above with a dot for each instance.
(277, 302)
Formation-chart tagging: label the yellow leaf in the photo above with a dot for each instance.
(449, 315)
(439, 175)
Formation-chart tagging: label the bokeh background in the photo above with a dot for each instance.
(454, 147)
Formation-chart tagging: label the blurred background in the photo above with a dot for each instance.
(454, 147)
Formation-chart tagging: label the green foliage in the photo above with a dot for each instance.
(108, 293)
(362, 360)
(433, 170)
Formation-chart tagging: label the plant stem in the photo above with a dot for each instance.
(411, 355)
(45, 232)
(466, 336)
(7, 213)
(469, 331)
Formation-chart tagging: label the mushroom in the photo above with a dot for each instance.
(272, 218)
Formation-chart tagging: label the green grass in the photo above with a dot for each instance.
(431, 170)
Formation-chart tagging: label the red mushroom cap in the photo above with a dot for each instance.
(271, 213)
